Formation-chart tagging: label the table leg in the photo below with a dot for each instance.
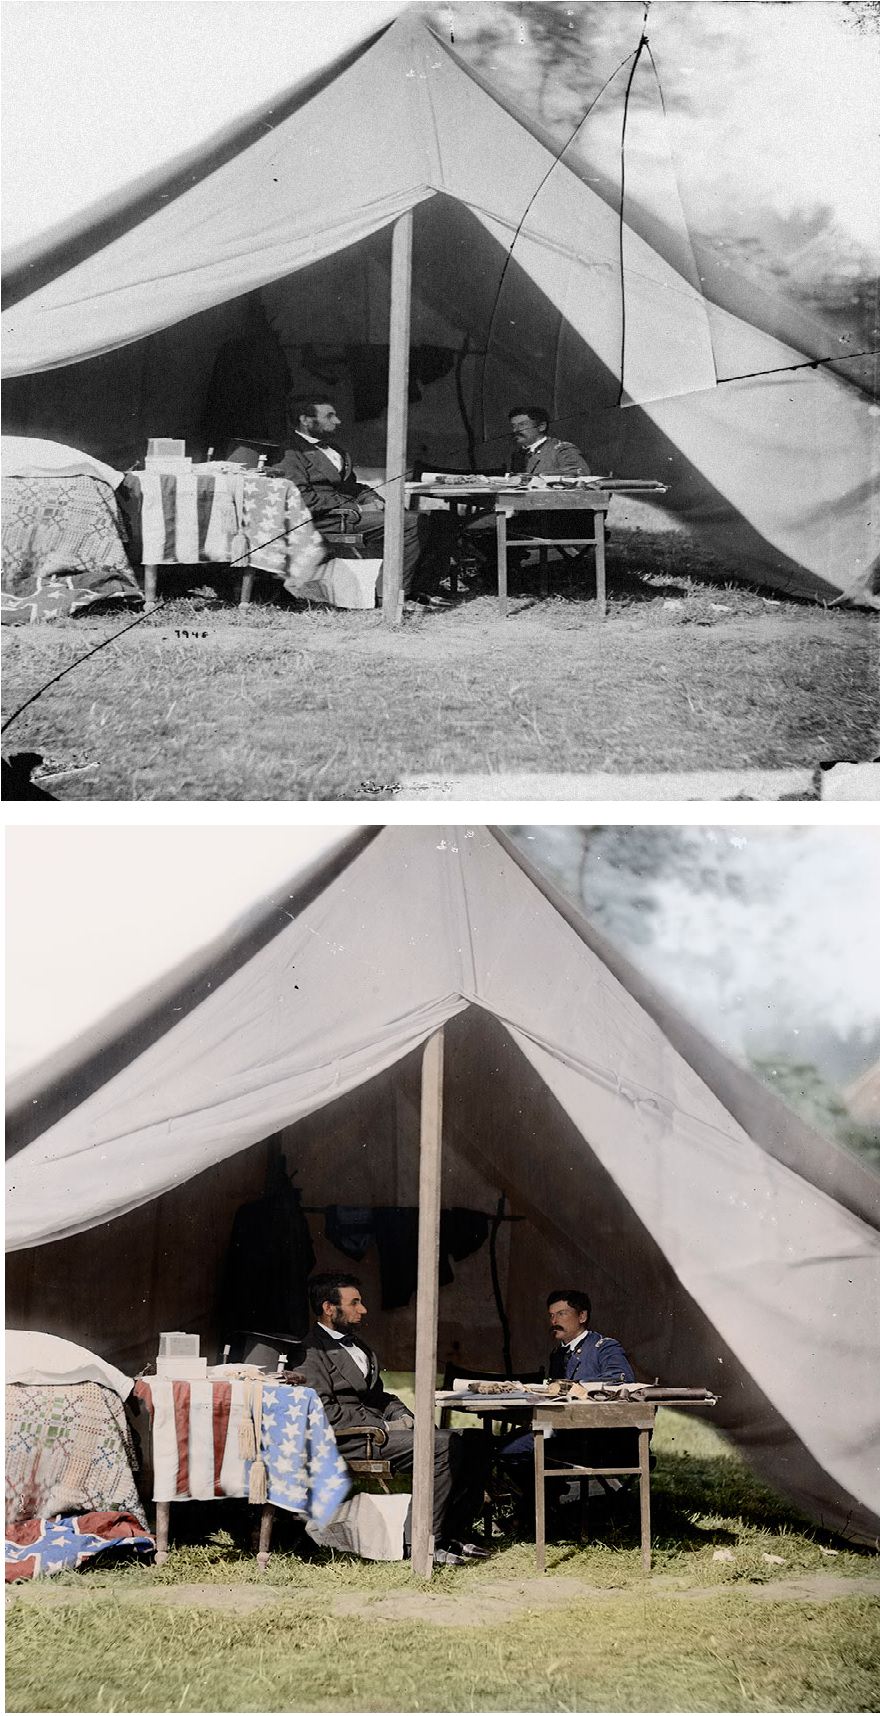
(599, 534)
(151, 574)
(501, 536)
(247, 589)
(453, 526)
(267, 1516)
(163, 1515)
(583, 1507)
(540, 1527)
(488, 1444)
(645, 1497)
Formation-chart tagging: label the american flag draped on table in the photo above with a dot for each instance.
(197, 1444)
(222, 517)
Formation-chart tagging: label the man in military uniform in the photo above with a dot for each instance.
(539, 454)
(580, 1354)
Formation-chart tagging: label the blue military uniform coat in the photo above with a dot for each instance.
(552, 458)
(597, 1358)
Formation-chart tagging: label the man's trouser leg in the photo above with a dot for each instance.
(458, 1484)
(427, 546)
(518, 1461)
(372, 528)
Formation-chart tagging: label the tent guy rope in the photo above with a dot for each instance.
(147, 614)
(643, 42)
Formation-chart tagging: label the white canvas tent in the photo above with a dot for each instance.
(725, 1243)
(522, 274)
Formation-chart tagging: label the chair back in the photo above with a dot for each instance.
(248, 1347)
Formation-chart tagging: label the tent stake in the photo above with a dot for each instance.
(398, 409)
(427, 1304)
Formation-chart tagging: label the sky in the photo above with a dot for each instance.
(768, 938)
(765, 106)
(94, 913)
(97, 91)
(802, 952)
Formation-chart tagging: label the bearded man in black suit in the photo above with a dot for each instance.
(325, 476)
(344, 1371)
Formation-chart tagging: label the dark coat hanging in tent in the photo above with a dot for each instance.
(268, 1264)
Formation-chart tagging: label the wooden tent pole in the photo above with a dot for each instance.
(398, 409)
(426, 1304)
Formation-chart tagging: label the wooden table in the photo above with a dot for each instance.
(620, 1414)
(505, 502)
(594, 1415)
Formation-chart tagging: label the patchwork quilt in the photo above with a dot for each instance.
(63, 549)
(68, 1450)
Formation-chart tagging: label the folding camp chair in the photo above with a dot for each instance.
(371, 1465)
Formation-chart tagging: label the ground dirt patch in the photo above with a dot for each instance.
(484, 1606)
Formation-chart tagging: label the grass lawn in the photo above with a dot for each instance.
(280, 703)
(208, 1632)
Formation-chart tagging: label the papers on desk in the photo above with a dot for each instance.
(655, 1392)
(479, 483)
(506, 1393)
(509, 1385)
(620, 1390)
(478, 480)
(567, 482)
(460, 480)
(473, 1393)
(238, 1373)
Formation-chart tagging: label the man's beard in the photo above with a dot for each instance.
(340, 1322)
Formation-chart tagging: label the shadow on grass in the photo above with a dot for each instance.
(641, 566)
(697, 1503)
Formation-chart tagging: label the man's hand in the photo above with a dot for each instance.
(345, 518)
(396, 1413)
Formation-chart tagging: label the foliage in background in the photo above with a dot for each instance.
(631, 881)
(553, 59)
(613, 872)
(809, 1094)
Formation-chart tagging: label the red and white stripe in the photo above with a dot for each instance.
(195, 1438)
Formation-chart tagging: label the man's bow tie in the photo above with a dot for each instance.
(346, 1341)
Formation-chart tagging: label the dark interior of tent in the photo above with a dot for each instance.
(483, 338)
(551, 1216)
